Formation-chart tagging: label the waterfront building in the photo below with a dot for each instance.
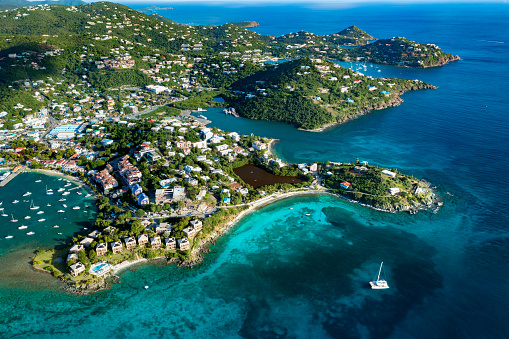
(184, 244)
(130, 243)
(155, 242)
(142, 239)
(76, 269)
(116, 247)
(101, 248)
(171, 244)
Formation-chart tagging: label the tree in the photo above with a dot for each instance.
(140, 213)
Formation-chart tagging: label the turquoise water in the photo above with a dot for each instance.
(281, 273)
(69, 223)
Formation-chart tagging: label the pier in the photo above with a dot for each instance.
(187, 114)
(17, 170)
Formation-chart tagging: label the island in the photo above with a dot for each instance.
(246, 24)
(107, 97)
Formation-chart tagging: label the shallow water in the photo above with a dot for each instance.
(282, 273)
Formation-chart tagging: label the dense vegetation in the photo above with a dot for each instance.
(311, 93)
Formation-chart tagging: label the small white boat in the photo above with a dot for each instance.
(38, 180)
(68, 184)
(379, 284)
(40, 212)
(15, 201)
(88, 195)
(33, 207)
(30, 233)
(66, 193)
(28, 217)
(27, 194)
(5, 215)
(49, 193)
(9, 237)
(146, 287)
(64, 205)
(41, 219)
(13, 220)
(59, 233)
(1, 208)
(79, 193)
(61, 189)
(61, 211)
(22, 227)
(56, 226)
(308, 214)
(76, 208)
(48, 205)
(63, 199)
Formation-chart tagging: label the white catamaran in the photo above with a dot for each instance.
(379, 284)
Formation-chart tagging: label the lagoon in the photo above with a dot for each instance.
(258, 177)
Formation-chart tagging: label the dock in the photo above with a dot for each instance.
(187, 114)
(17, 170)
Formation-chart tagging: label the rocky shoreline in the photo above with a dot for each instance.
(395, 101)
(443, 61)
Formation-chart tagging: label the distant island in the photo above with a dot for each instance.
(152, 9)
(246, 24)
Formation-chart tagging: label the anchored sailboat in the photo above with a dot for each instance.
(379, 284)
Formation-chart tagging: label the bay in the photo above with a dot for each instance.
(282, 273)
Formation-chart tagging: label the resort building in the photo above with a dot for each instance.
(101, 248)
(389, 173)
(189, 232)
(72, 256)
(77, 268)
(94, 234)
(87, 242)
(163, 227)
(196, 224)
(116, 247)
(136, 189)
(105, 179)
(129, 172)
(171, 244)
(142, 239)
(258, 146)
(130, 243)
(76, 248)
(143, 199)
(155, 242)
(393, 190)
(184, 244)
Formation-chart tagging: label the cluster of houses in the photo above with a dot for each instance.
(131, 243)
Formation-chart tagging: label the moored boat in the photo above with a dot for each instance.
(9, 237)
(41, 219)
(27, 194)
(30, 233)
(22, 227)
(379, 284)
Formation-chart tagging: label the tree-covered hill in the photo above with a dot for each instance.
(310, 93)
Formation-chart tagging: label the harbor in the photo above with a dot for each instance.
(8, 176)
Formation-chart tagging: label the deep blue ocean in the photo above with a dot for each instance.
(282, 273)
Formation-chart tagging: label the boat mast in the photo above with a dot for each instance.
(377, 279)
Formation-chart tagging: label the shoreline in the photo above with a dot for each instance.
(394, 102)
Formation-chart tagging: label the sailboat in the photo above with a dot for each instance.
(49, 191)
(33, 207)
(379, 284)
(13, 220)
